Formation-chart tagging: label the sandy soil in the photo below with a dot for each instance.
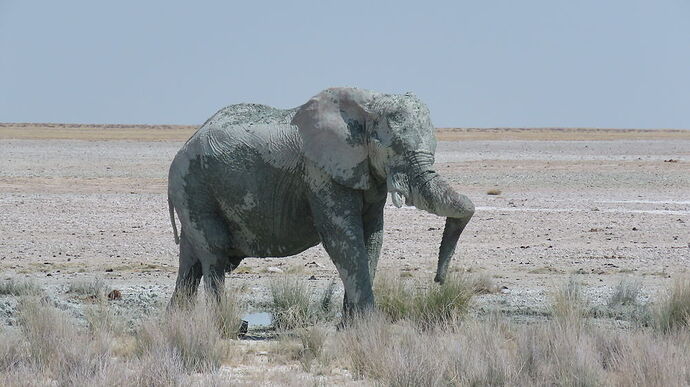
(91, 201)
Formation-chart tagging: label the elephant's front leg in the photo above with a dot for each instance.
(337, 213)
(373, 233)
(372, 220)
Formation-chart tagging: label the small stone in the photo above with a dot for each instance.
(312, 278)
(115, 295)
(244, 327)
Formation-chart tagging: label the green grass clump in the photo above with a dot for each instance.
(426, 307)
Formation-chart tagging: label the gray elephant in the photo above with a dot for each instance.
(255, 181)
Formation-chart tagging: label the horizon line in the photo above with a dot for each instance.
(469, 128)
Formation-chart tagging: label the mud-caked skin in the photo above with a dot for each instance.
(255, 181)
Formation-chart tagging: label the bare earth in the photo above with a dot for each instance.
(76, 202)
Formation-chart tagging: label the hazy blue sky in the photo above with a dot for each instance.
(482, 63)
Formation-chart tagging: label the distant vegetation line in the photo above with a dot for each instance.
(443, 129)
(95, 126)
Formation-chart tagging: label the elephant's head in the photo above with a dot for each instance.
(360, 138)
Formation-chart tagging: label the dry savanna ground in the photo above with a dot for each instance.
(572, 272)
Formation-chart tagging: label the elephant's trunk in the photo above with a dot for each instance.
(432, 193)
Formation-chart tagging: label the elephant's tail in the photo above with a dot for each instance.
(172, 220)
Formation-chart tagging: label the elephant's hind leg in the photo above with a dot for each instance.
(188, 276)
(211, 243)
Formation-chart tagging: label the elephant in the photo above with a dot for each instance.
(257, 181)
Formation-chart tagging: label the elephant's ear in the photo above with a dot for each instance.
(333, 129)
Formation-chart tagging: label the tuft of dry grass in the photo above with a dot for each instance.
(56, 348)
(498, 352)
(50, 348)
(626, 293)
(313, 340)
(190, 333)
(290, 301)
(568, 304)
(92, 287)
(13, 287)
(292, 306)
(483, 284)
(625, 304)
(183, 346)
(673, 312)
(12, 350)
(160, 366)
(100, 318)
(228, 315)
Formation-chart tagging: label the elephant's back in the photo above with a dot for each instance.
(249, 114)
(237, 138)
(247, 127)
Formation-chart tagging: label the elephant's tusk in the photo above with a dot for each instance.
(397, 199)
